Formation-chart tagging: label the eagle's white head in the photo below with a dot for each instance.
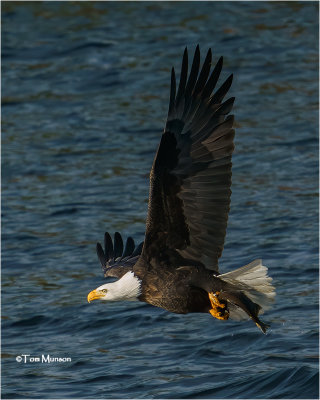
(126, 288)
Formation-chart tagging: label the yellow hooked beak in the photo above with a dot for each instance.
(94, 295)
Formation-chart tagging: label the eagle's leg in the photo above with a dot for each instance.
(218, 309)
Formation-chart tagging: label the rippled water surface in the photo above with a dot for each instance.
(85, 88)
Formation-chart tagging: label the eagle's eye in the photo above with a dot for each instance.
(104, 290)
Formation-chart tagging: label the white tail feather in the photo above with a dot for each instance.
(254, 281)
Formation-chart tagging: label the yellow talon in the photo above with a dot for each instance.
(218, 314)
(218, 309)
(215, 301)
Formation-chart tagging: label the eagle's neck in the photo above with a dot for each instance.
(126, 288)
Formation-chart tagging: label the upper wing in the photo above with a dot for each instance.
(114, 260)
(190, 178)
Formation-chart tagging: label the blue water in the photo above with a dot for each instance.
(85, 88)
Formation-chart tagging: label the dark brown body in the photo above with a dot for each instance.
(186, 288)
(174, 283)
(179, 290)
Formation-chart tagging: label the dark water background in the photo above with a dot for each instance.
(85, 89)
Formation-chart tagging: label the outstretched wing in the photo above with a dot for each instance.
(116, 261)
(190, 178)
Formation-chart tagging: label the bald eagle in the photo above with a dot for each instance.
(176, 267)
